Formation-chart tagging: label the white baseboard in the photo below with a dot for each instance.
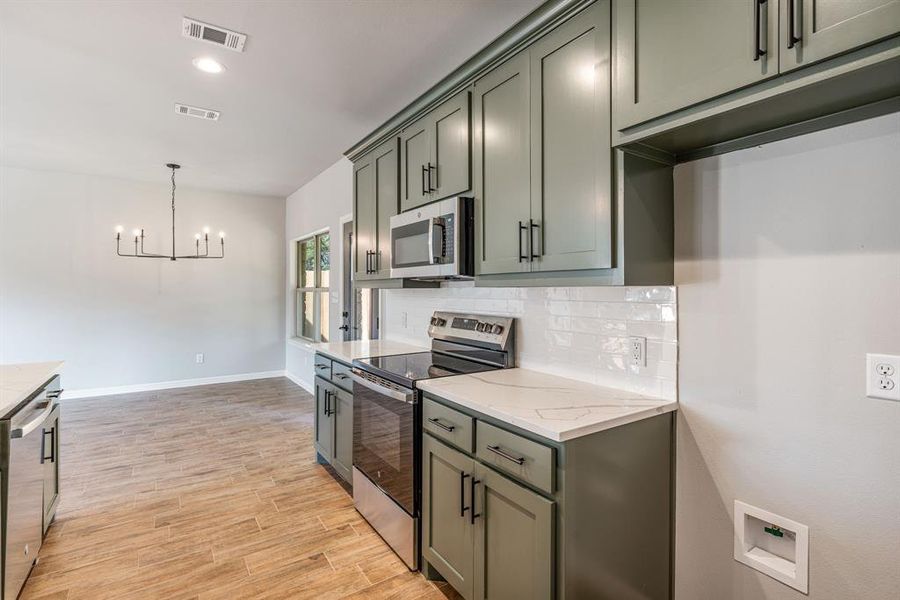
(167, 385)
(304, 384)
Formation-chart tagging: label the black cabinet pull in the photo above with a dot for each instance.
(424, 171)
(52, 457)
(521, 227)
(321, 366)
(532, 226)
(472, 514)
(792, 26)
(447, 428)
(430, 167)
(757, 30)
(462, 494)
(519, 460)
(328, 411)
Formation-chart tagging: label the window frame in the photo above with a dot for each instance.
(317, 289)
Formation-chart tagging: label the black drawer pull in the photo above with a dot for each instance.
(342, 376)
(447, 428)
(320, 366)
(519, 460)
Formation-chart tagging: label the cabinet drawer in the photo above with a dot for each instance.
(340, 376)
(448, 424)
(522, 458)
(323, 367)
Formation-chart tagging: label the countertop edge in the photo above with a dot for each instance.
(42, 375)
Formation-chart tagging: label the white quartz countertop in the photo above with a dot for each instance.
(554, 407)
(17, 382)
(349, 351)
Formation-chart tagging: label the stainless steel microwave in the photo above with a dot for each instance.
(435, 241)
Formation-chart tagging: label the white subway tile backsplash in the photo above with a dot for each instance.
(578, 332)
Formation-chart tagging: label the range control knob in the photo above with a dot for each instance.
(480, 326)
(440, 322)
(497, 329)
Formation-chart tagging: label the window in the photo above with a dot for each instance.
(313, 274)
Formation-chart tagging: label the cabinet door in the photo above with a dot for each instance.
(324, 425)
(670, 55)
(50, 458)
(387, 180)
(416, 182)
(571, 178)
(514, 551)
(342, 405)
(451, 147)
(446, 501)
(501, 110)
(365, 218)
(829, 27)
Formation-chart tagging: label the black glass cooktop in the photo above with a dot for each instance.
(406, 369)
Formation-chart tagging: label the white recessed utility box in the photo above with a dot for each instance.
(772, 545)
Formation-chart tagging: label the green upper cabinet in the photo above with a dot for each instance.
(670, 55)
(501, 115)
(375, 201)
(514, 550)
(447, 523)
(818, 29)
(543, 182)
(414, 171)
(365, 219)
(437, 154)
(571, 182)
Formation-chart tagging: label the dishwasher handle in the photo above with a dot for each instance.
(33, 424)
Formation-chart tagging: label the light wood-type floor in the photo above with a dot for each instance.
(208, 493)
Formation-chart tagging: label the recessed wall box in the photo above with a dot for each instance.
(772, 544)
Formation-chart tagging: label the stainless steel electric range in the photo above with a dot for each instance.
(387, 419)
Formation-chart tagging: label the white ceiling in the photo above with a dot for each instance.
(90, 87)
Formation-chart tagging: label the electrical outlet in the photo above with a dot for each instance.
(637, 351)
(883, 376)
(199, 358)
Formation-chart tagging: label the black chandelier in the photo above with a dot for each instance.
(139, 236)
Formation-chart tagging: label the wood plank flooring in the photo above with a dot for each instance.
(208, 493)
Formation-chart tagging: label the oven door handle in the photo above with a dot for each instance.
(34, 423)
(436, 240)
(408, 397)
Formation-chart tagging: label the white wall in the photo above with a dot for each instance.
(318, 205)
(577, 332)
(64, 294)
(788, 272)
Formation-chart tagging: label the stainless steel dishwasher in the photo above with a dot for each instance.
(24, 490)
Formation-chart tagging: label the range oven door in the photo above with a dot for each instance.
(384, 437)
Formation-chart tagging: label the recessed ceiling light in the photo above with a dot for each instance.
(208, 65)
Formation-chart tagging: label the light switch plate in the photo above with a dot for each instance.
(883, 376)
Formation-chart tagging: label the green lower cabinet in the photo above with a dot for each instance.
(50, 458)
(324, 425)
(343, 433)
(514, 550)
(447, 531)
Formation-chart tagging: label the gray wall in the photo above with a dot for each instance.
(316, 206)
(788, 272)
(64, 294)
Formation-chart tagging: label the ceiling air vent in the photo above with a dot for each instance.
(213, 34)
(196, 111)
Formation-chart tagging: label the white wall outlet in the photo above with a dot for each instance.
(637, 351)
(772, 544)
(199, 358)
(883, 376)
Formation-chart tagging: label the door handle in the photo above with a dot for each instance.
(435, 240)
(757, 30)
(521, 227)
(462, 494)
(792, 26)
(436, 421)
(472, 514)
(424, 172)
(327, 403)
(532, 226)
(519, 460)
(344, 328)
(430, 167)
(52, 457)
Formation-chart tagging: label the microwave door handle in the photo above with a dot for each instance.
(435, 239)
